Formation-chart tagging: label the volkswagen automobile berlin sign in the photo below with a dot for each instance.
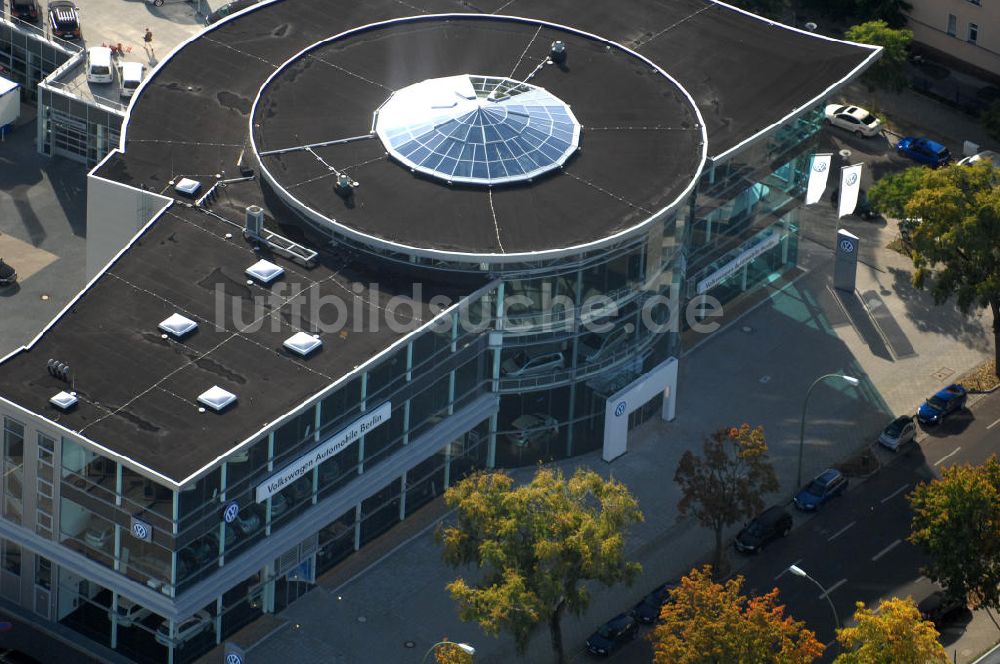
(620, 408)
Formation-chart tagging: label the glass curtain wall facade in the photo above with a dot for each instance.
(27, 56)
(88, 503)
(744, 231)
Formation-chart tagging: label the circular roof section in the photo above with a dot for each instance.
(478, 129)
(318, 123)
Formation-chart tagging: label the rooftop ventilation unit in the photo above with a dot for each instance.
(178, 325)
(344, 186)
(302, 343)
(216, 398)
(254, 223)
(187, 186)
(58, 370)
(265, 271)
(558, 52)
(64, 400)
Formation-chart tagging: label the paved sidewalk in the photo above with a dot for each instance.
(755, 371)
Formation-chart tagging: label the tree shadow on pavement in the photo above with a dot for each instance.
(944, 318)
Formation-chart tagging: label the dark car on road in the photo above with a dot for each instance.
(227, 9)
(8, 275)
(939, 606)
(924, 151)
(613, 634)
(828, 485)
(770, 524)
(65, 19)
(648, 609)
(26, 10)
(949, 400)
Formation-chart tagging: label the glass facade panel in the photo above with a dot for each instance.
(13, 469)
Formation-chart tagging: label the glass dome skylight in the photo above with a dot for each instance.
(477, 129)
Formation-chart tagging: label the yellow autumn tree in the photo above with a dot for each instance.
(893, 633)
(450, 653)
(713, 623)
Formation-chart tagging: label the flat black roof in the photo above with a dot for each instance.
(138, 391)
(744, 73)
(641, 139)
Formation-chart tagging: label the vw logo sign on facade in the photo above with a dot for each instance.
(847, 246)
(233, 658)
(232, 511)
(819, 166)
(620, 408)
(851, 179)
(141, 530)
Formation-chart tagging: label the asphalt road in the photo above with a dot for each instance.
(856, 545)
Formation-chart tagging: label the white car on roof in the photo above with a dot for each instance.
(853, 118)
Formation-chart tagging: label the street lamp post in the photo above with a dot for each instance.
(802, 429)
(464, 647)
(798, 571)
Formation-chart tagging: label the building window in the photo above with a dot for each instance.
(12, 557)
(952, 25)
(973, 33)
(43, 572)
(13, 465)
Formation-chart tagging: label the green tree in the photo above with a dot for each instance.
(893, 12)
(725, 485)
(887, 72)
(536, 546)
(890, 194)
(895, 632)
(956, 523)
(991, 121)
(706, 622)
(954, 247)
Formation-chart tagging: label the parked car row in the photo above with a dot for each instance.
(624, 627)
(938, 407)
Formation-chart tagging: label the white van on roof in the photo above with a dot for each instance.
(131, 76)
(99, 65)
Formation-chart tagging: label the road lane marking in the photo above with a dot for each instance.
(886, 550)
(832, 588)
(947, 456)
(993, 425)
(841, 531)
(782, 572)
(896, 493)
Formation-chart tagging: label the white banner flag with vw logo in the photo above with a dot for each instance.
(818, 174)
(850, 186)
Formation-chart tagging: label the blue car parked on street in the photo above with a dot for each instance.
(924, 150)
(828, 485)
(949, 400)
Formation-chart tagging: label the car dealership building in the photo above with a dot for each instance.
(345, 257)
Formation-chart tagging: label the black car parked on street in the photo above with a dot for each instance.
(613, 634)
(770, 524)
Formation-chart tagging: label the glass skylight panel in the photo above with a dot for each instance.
(64, 400)
(265, 271)
(178, 325)
(478, 129)
(216, 398)
(302, 343)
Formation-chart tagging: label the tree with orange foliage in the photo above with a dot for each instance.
(707, 622)
(726, 483)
